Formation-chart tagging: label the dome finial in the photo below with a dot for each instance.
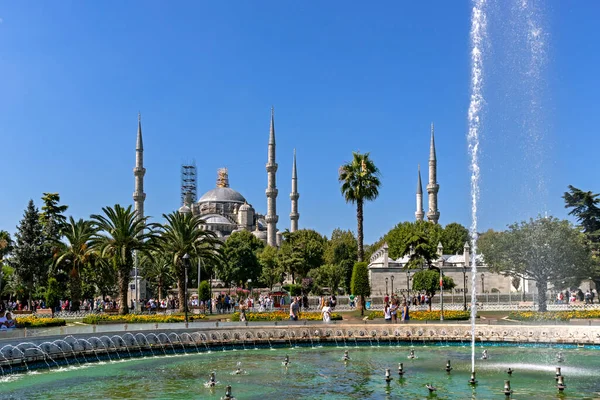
(222, 178)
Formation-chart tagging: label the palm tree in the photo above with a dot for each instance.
(360, 183)
(158, 270)
(120, 232)
(76, 252)
(181, 235)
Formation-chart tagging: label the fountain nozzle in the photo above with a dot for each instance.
(561, 383)
(558, 373)
(400, 369)
(228, 395)
(388, 378)
(448, 367)
(473, 381)
(507, 390)
(509, 371)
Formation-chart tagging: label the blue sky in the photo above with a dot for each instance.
(342, 76)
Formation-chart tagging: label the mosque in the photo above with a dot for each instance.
(225, 210)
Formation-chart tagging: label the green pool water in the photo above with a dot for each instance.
(319, 373)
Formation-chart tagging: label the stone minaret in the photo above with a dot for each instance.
(139, 171)
(294, 216)
(433, 214)
(419, 214)
(271, 191)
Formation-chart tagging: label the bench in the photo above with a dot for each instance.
(111, 311)
(525, 304)
(45, 312)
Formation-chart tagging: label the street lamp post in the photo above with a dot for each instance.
(392, 278)
(465, 287)
(186, 260)
(407, 283)
(386, 282)
(482, 285)
(441, 294)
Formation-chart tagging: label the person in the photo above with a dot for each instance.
(10, 322)
(294, 308)
(405, 314)
(326, 312)
(387, 314)
(333, 301)
(243, 314)
(394, 310)
(2, 320)
(351, 301)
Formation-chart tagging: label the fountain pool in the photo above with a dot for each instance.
(320, 373)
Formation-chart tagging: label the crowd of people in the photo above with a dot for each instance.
(6, 320)
(394, 306)
(576, 296)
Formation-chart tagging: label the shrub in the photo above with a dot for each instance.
(136, 318)
(293, 290)
(31, 321)
(449, 315)
(553, 315)
(282, 316)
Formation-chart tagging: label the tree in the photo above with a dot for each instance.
(158, 271)
(428, 281)
(181, 235)
(546, 250)
(6, 246)
(341, 250)
(360, 183)
(360, 285)
(53, 223)
(271, 271)
(301, 251)
(454, 237)
(329, 275)
(76, 253)
(585, 207)
(118, 233)
(29, 256)
(204, 291)
(418, 239)
(53, 293)
(241, 254)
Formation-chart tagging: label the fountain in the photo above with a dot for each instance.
(507, 390)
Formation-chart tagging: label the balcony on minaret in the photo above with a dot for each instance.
(271, 218)
(294, 196)
(139, 196)
(139, 171)
(271, 192)
(271, 167)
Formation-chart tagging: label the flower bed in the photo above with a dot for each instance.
(282, 316)
(31, 321)
(136, 319)
(449, 315)
(553, 315)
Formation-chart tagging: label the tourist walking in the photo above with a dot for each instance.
(326, 312)
(294, 310)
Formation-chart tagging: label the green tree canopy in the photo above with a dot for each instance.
(428, 281)
(341, 250)
(418, 239)
(359, 183)
(301, 251)
(271, 271)
(454, 237)
(241, 253)
(328, 275)
(29, 254)
(157, 269)
(546, 250)
(360, 284)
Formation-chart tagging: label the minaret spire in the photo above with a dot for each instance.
(419, 214)
(294, 216)
(433, 214)
(138, 172)
(271, 192)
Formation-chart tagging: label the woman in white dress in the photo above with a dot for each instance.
(326, 312)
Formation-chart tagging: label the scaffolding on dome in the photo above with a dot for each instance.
(189, 182)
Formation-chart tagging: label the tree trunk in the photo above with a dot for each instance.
(75, 284)
(181, 286)
(542, 286)
(359, 230)
(160, 289)
(123, 282)
(362, 305)
(430, 301)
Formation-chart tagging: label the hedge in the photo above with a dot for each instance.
(449, 315)
(136, 318)
(283, 316)
(31, 321)
(553, 315)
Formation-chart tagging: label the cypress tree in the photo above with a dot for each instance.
(29, 255)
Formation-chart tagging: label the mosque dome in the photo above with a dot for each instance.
(222, 194)
(262, 235)
(216, 219)
(245, 207)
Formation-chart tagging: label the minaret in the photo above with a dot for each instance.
(433, 214)
(294, 216)
(419, 214)
(271, 191)
(139, 171)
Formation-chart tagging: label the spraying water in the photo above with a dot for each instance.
(478, 34)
